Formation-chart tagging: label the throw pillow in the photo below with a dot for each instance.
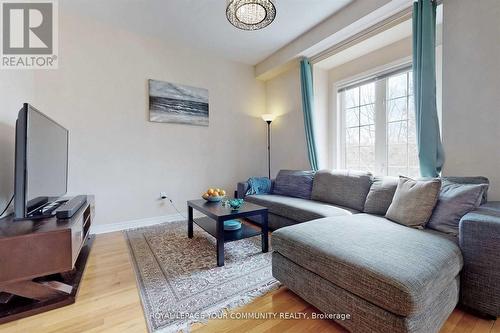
(455, 200)
(380, 196)
(414, 201)
(475, 180)
(258, 185)
(294, 183)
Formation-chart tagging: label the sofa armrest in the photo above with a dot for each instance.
(241, 189)
(479, 239)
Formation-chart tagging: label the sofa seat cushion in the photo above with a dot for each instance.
(300, 210)
(395, 267)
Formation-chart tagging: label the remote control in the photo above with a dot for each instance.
(69, 209)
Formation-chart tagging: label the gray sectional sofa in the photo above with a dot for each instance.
(385, 276)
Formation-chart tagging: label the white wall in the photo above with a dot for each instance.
(288, 142)
(471, 89)
(322, 117)
(100, 94)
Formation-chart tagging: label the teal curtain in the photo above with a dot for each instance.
(430, 149)
(306, 84)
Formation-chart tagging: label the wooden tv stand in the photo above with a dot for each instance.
(42, 262)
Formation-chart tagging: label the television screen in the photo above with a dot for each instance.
(47, 156)
(41, 160)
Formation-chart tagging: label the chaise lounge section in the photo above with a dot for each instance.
(386, 276)
(379, 272)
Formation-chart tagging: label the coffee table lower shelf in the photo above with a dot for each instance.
(210, 226)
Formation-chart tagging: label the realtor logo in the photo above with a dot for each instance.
(29, 34)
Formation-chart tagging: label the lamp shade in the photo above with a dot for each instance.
(268, 117)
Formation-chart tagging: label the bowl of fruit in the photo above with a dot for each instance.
(214, 195)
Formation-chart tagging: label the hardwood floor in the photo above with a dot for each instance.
(109, 301)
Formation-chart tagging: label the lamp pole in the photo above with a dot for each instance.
(268, 118)
(269, 147)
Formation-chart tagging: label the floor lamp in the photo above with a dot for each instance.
(268, 118)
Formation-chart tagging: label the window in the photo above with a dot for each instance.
(378, 132)
(360, 127)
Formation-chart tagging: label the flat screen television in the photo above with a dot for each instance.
(41, 167)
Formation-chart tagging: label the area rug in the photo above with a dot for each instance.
(179, 281)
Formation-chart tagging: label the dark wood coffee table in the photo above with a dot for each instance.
(213, 223)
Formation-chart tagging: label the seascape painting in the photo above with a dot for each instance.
(176, 103)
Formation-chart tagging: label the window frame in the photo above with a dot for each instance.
(379, 76)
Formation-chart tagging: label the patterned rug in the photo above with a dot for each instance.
(179, 280)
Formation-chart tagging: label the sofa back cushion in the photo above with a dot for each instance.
(414, 201)
(342, 187)
(294, 183)
(380, 196)
(472, 180)
(455, 200)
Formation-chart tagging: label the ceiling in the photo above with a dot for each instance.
(202, 25)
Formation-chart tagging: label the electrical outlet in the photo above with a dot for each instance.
(163, 195)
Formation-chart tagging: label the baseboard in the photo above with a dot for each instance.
(119, 226)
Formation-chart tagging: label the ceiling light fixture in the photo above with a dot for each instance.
(250, 14)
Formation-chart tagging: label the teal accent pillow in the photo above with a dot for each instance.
(455, 200)
(259, 185)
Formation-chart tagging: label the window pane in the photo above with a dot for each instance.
(352, 117)
(397, 109)
(367, 93)
(367, 158)
(352, 157)
(412, 131)
(367, 135)
(398, 155)
(352, 136)
(396, 86)
(397, 132)
(397, 171)
(367, 114)
(411, 107)
(413, 156)
(410, 83)
(352, 97)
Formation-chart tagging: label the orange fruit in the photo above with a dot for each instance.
(222, 193)
(205, 196)
(210, 191)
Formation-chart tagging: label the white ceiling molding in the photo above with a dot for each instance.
(401, 19)
(353, 19)
(352, 51)
(392, 30)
